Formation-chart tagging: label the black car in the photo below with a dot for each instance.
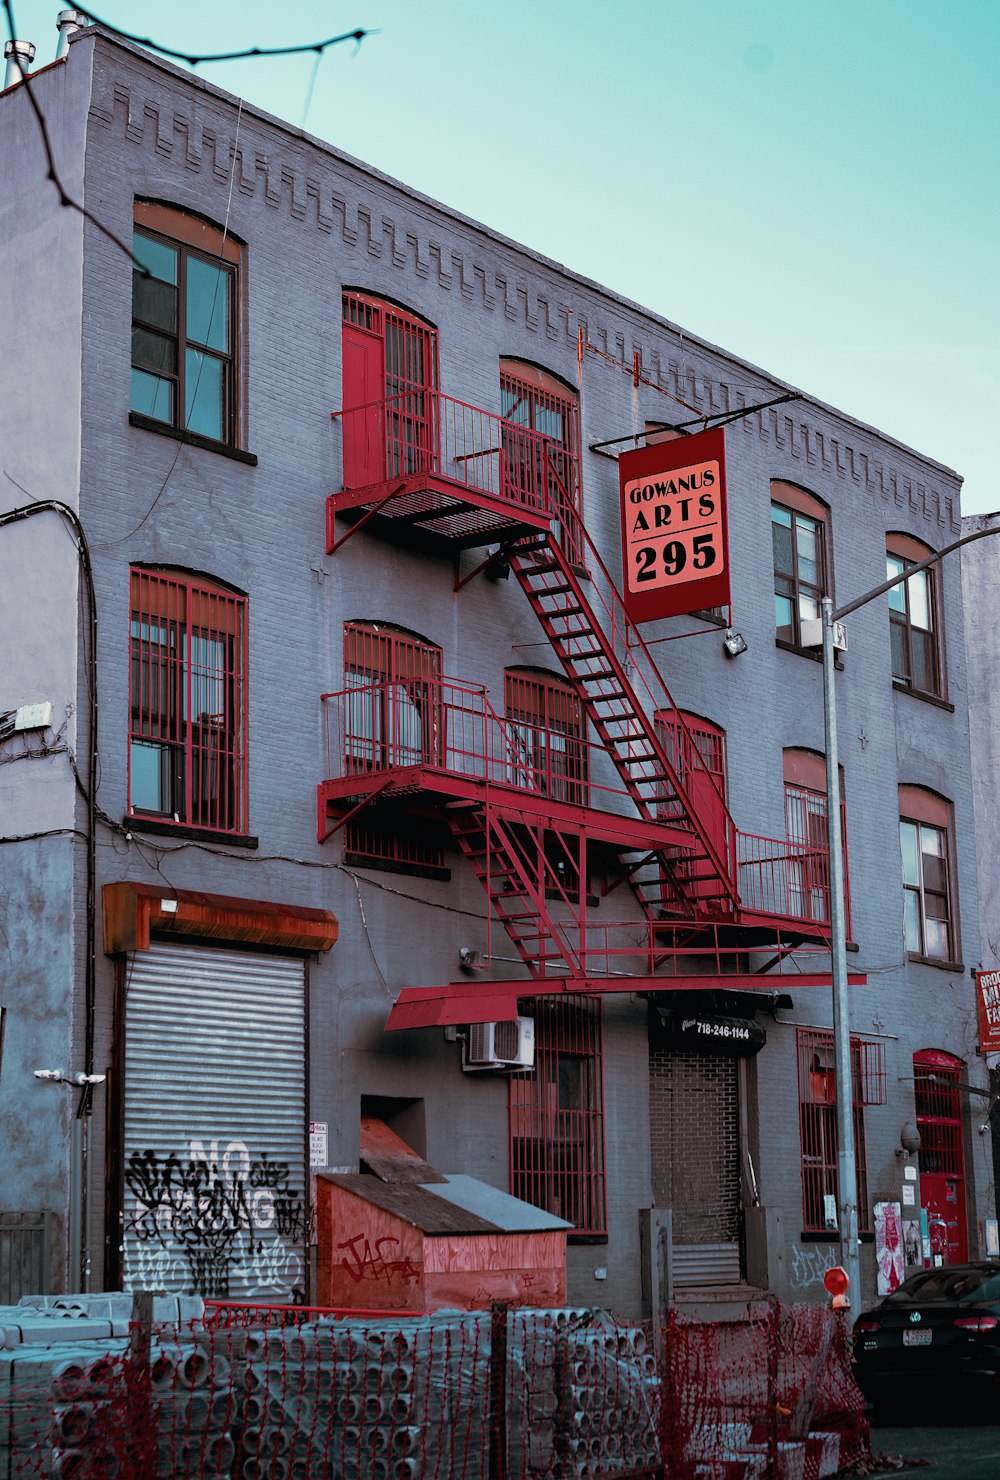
(941, 1326)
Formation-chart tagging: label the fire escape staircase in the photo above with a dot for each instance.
(682, 866)
(506, 850)
(701, 884)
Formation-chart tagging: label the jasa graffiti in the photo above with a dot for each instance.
(218, 1217)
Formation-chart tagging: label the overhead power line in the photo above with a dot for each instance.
(194, 60)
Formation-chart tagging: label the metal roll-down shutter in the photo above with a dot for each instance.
(215, 1190)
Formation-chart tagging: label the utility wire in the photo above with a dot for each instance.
(193, 60)
(65, 199)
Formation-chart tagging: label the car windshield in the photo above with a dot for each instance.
(975, 1285)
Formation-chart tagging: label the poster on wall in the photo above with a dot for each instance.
(912, 1249)
(675, 545)
(888, 1247)
(988, 997)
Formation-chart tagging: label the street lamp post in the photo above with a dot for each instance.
(846, 1163)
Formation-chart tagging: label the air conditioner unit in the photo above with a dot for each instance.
(509, 1045)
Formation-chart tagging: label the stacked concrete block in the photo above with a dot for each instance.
(585, 1400)
(56, 1403)
(198, 1388)
(352, 1402)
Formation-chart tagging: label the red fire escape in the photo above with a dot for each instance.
(716, 906)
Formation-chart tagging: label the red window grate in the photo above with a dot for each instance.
(187, 703)
(938, 1101)
(557, 1116)
(409, 358)
(543, 469)
(818, 1120)
(549, 730)
(393, 716)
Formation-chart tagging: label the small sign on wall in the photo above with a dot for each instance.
(319, 1143)
(988, 997)
(675, 550)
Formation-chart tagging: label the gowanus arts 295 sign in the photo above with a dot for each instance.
(675, 553)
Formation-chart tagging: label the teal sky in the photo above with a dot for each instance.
(813, 186)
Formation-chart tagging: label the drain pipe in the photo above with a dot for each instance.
(20, 55)
(68, 22)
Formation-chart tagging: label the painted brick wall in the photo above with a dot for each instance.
(314, 223)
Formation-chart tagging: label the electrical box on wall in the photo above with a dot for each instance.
(508, 1045)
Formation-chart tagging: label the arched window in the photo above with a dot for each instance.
(393, 703)
(549, 733)
(541, 445)
(390, 391)
(914, 628)
(806, 832)
(800, 538)
(187, 701)
(925, 843)
(185, 308)
(938, 1103)
(392, 716)
(697, 750)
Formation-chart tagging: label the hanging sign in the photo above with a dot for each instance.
(988, 996)
(675, 552)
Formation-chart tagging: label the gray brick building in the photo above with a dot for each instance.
(359, 792)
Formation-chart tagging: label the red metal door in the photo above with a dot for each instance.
(698, 754)
(938, 1105)
(944, 1199)
(364, 386)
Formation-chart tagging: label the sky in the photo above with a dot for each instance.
(815, 187)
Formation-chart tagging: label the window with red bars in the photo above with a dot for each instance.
(697, 751)
(806, 826)
(937, 1077)
(541, 446)
(390, 366)
(548, 730)
(557, 1116)
(393, 716)
(187, 702)
(818, 1121)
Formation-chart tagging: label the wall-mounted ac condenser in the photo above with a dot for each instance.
(509, 1045)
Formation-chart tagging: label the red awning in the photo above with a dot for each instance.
(496, 1002)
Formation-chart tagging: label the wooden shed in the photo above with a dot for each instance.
(417, 1246)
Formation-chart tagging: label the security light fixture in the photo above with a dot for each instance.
(469, 961)
(909, 1140)
(79, 1080)
(734, 643)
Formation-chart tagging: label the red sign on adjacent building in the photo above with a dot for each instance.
(988, 996)
(675, 553)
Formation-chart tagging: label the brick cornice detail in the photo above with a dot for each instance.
(329, 192)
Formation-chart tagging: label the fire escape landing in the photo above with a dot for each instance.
(718, 908)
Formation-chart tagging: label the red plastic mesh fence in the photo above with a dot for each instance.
(501, 1395)
(772, 1396)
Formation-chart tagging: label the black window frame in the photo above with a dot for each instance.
(192, 240)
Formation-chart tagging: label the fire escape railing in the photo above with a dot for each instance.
(394, 724)
(422, 431)
(376, 728)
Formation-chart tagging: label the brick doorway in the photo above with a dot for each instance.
(694, 1127)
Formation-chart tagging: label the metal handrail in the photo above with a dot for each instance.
(454, 439)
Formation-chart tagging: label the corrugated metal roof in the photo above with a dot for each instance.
(459, 1204)
(508, 1213)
